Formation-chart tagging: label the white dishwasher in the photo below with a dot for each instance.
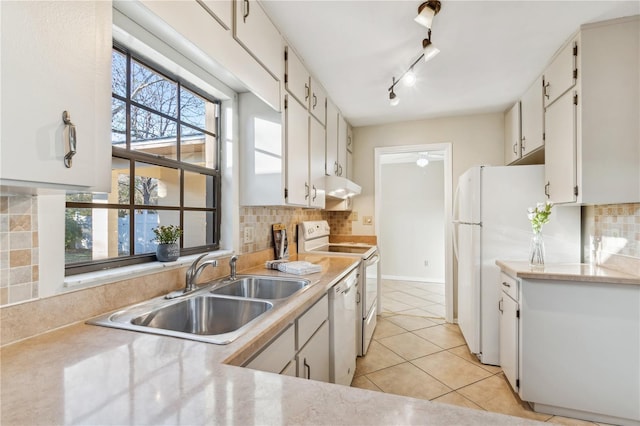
(342, 330)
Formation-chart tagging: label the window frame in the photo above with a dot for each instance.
(136, 156)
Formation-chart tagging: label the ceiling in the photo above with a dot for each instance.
(490, 51)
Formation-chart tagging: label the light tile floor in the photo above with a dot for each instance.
(415, 353)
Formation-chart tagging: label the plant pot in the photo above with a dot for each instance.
(168, 252)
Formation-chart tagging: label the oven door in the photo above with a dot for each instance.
(370, 283)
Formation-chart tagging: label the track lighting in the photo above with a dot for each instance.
(393, 98)
(429, 49)
(426, 12)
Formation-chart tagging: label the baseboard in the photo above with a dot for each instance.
(414, 279)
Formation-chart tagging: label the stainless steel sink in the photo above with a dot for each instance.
(218, 312)
(202, 317)
(262, 287)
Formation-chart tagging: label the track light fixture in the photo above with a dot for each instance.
(426, 12)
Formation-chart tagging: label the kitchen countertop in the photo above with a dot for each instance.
(567, 272)
(84, 374)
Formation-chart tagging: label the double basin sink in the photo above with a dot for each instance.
(218, 312)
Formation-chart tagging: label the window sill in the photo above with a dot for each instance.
(91, 279)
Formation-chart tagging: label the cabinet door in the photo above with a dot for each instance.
(331, 152)
(254, 30)
(532, 116)
(342, 146)
(297, 80)
(512, 134)
(509, 339)
(297, 142)
(318, 101)
(221, 10)
(349, 165)
(559, 76)
(560, 150)
(277, 355)
(56, 56)
(313, 358)
(316, 163)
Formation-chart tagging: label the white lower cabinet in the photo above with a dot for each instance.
(302, 350)
(313, 358)
(509, 313)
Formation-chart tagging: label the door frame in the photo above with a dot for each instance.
(448, 208)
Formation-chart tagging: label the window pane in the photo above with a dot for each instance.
(198, 190)
(118, 73)
(118, 123)
(120, 179)
(198, 148)
(156, 185)
(95, 234)
(146, 220)
(153, 90)
(198, 229)
(153, 134)
(192, 108)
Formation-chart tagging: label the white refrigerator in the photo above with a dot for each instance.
(490, 223)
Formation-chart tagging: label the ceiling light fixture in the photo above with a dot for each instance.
(430, 51)
(426, 12)
(423, 159)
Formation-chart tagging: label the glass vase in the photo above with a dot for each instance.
(536, 250)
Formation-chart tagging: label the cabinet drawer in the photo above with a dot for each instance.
(509, 285)
(311, 320)
(277, 355)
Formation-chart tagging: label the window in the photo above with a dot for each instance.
(165, 171)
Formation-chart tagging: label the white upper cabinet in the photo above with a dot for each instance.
(531, 119)
(316, 163)
(342, 146)
(221, 10)
(512, 134)
(331, 155)
(561, 75)
(297, 143)
(591, 130)
(255, 31)
(56, 56)
(297, 79)
(318, 101)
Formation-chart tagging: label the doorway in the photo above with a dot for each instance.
(413, 199)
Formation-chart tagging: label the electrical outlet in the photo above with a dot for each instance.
(426, 263)
(248, 234)
(354, 216)
(367, 220)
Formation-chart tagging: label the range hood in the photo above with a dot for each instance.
(340, 187)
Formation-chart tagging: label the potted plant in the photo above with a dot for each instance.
(168, 249)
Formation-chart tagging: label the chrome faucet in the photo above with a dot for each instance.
(193, 273)
(232, 266)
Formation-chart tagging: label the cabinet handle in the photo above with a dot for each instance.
(340, 170)
(358, 297)
(335, 167)
(514, 148)
(522, 144)
(306, 190)
(315, 101)
(315, 193)
(506, 284)
(245, 8)
(307, 367)
(546, 93)
(546, 189)
(306, 91)
(70, 142)
(500, 306)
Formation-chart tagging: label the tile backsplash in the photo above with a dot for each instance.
(19, 257)
(615, 230)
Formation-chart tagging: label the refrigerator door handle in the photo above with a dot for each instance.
(455, 238)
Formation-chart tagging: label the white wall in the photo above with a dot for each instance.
(475, 139)
(412, 222)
